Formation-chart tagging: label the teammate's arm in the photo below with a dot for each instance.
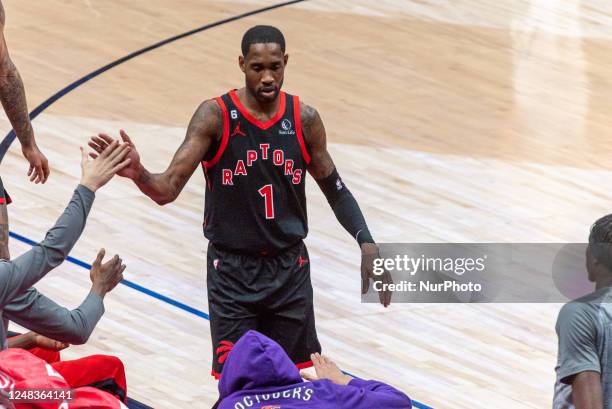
(341, 200)
(12, 96)
(586, 390)
(204, 128)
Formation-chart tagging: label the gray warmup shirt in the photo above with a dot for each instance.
(30, 309)
(584, 328)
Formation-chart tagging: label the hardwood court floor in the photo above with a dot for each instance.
(472, 120)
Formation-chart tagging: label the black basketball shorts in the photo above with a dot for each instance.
(272, 295)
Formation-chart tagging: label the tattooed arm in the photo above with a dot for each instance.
(4, 233)
(12, 96)
(204, 128)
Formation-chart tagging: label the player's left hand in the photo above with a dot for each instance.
(39, 166)
(369, 252)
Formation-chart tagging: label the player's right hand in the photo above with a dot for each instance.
(39, 165)
(103, 141)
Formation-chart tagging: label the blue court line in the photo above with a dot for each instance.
(128, 283)
(10, 137)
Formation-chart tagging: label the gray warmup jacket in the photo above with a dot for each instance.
(25, 305)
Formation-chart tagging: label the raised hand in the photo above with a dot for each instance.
(96, 173)
(326, 369)
(39, 166)
(369, 252)
(103, 141)
(106, 276)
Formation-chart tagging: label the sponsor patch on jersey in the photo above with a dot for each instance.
(286, 126)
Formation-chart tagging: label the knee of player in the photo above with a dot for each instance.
(109, 361)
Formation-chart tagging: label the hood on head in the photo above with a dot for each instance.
(256, 362)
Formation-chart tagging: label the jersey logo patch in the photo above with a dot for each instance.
(238, 131)
(286, 126)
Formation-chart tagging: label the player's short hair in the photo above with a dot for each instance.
(600, 241)
(262, 35)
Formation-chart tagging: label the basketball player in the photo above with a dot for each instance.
(255, 145)
(584, 357)
(13, 99)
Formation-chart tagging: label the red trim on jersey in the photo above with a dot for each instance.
(2, 201)
(225, 136)
(298, 127)
(206, 177)
(255, 121)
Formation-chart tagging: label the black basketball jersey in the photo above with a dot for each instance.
(255, 200)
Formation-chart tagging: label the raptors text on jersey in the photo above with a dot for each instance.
(255, 182)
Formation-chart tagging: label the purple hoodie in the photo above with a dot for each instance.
(258, 374)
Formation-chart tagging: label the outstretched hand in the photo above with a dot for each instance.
(96, 173)
(370, 252)
(102, 142)
(106, 276)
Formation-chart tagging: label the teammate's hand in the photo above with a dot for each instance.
(101, 142)
(106, 276)
(40, 341)
(369, 252)
(326, 369)
(96, 173)
(39, 166)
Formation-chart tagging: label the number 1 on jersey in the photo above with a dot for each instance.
(266, 193)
